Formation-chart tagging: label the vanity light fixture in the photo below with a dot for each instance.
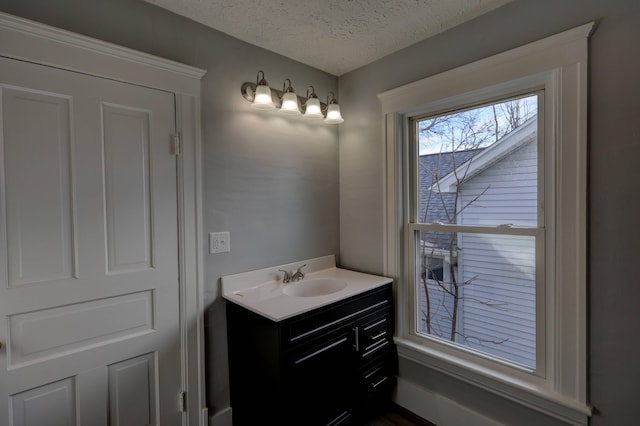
(312, 108)
(333, 111)
(289, 99)
(263, 97)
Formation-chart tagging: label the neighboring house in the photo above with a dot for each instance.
(497, 306)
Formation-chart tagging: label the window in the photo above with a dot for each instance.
(485, 222)
(477, 170)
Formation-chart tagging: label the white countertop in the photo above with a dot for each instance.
(262, 291)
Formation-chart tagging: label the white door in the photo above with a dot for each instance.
(89, 296)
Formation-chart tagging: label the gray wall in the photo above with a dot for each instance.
(271, 182)
(614, 138)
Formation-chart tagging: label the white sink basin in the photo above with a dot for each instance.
(314, 287)
(263, 292)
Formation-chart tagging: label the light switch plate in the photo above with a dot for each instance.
(219, 242)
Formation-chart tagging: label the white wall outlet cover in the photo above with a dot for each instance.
(219, 242)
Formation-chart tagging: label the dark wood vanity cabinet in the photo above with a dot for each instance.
(334, 365)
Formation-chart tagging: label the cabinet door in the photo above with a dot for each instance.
(323, 379)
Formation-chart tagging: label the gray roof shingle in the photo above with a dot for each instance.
(439, 207)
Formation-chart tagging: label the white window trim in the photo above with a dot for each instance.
(557, 64)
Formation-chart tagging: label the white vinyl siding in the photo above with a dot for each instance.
(498, 313)
(511, 191)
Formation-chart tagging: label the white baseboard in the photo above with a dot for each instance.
(222, 418)
(436, 408)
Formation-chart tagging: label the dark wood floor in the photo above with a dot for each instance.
(398, 416)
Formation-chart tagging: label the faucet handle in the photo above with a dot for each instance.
(298, 275)
(287, 276)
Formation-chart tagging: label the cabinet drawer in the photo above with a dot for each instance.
(377, 331)
(378, 379)
(374, 333)
(325, 319)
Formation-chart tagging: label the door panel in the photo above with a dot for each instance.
(133, 387)
(36, 336)
(89, 292)
(47, 405)
(38, 195)
(126, 165)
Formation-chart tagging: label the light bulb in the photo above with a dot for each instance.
(333, 114)
(290, 104)
(313, 109)
(262, 98)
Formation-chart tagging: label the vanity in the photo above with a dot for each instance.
(317, 351)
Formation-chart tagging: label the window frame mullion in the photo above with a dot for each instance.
(477, 229)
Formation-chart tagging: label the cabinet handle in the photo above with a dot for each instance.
(357, 339)
(319, 351)
(382, 321)
(340, 419)
(374, 347)
(379, 335)
(379, 382)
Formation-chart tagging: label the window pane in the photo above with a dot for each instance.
(478, 291)
(479, 166)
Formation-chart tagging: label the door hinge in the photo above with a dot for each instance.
(182, 400)
(176, 142)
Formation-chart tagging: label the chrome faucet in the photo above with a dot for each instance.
(298, 275)
(287, 276)
(292, 276)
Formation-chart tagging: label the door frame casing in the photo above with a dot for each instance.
(34, 42)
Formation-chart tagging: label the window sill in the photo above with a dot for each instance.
(534, 397)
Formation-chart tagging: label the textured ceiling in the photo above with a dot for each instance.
(336, 36)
